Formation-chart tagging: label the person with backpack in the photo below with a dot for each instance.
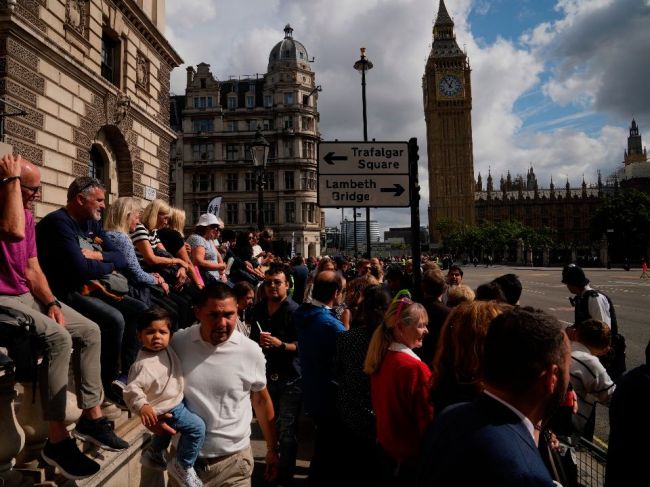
(590, 303)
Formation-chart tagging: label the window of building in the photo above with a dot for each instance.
(288, 180)
(269, 212)
(288, 148)
(270, 181)
(288, 122)
(232, 181)
(308, 212)
(202, 102)
(268, 101)
(308, 180)
(203, 83)
(232, 213)
(203, 152)
(250, 101)
(288, 99)
(267, 124)
(203, 125)
(110, 56)
(290, 212)
(250, 181)
(198, 209)
(308, 150)
(305, 100)
(231, 152)
(201, 183)
(231, 126)
(250, 213)
(232, 102)
(252, 125)
(251, 87)
(96, 165)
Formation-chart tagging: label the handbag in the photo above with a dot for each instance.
(114, 285)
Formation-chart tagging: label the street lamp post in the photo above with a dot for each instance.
(363, 65)
(259, 153)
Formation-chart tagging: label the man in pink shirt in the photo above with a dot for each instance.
(23, 287)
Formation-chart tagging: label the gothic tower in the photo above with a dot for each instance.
(635, 151)
(448, 114)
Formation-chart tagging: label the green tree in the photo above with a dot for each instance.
(624, 218)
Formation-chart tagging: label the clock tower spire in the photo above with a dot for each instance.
(447, 90)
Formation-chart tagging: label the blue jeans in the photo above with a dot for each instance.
(192, 430)
(287, 401)
(117, 323)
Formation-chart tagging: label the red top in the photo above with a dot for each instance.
(400, 398)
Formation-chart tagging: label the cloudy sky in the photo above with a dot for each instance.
(555, 83)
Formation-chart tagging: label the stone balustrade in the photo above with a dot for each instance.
(23, 433)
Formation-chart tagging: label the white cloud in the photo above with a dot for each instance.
(578, 60)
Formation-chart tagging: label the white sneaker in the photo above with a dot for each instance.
(186, 477)
(153, 459)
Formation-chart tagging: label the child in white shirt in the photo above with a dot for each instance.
(155, 388)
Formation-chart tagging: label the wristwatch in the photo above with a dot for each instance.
(54, 302)
(283, 346)
(9, 179)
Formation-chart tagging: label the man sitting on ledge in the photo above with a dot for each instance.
(23, 287)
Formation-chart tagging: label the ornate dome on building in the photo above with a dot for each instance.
(288, 53)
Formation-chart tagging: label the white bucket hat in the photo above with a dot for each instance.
(207, 219)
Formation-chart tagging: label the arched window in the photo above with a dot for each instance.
(97, 165)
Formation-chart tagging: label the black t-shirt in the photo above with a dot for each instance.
(171, 239)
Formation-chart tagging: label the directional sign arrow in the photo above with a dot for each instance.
(330, 158)
(397, 188)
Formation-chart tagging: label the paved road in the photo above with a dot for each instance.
(543, 289)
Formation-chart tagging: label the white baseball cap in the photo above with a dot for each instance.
(207, 219)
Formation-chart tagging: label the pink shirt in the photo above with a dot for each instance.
(13, 260)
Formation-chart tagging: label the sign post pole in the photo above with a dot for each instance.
(415, 218)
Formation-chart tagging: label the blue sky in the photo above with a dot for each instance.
(555, 82)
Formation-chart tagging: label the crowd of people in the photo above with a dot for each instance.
(441, 385)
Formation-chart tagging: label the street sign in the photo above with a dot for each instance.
(363, 174)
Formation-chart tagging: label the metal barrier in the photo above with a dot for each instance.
(591, 462)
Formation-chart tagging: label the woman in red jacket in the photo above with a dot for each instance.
(399, 385)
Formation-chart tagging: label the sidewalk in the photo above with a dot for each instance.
(305, 451)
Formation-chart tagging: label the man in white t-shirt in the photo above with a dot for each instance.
(225, 374)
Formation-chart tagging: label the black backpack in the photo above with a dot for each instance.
(18, 336)
(614, 360)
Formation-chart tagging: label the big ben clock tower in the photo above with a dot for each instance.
(448, 114)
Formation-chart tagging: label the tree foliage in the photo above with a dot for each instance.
(624, 218)
(459, 238)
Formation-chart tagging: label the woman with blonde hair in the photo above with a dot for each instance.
(457, 372)
(172, 238)
(121, 218)
(399, 386)
(150, 251)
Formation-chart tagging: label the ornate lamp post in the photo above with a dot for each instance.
(260, 152)
(363, 65)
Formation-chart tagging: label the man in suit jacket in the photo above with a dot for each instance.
(493, 440)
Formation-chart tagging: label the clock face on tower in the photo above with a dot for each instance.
(450, 85)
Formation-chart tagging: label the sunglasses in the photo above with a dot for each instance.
(32, 189)
(92, 182)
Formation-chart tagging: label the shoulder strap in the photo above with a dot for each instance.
(612, 312)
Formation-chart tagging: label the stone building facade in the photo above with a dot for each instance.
(85, 85)
(448, 114)
(216, 123)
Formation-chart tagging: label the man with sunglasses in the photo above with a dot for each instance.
(69, 267)
(276, 335)
(24, 287)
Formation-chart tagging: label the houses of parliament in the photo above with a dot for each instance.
(454, 193)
